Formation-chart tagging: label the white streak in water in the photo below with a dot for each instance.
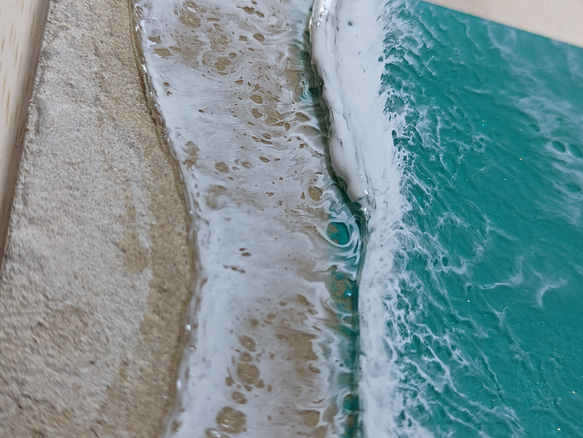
(347, 50)
(346, 37)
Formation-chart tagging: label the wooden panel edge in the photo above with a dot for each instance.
(559, 20)
(22, 24)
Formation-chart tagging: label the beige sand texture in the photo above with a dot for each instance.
(97, 268)
(558, 19)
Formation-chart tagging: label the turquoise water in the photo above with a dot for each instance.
(487, 335)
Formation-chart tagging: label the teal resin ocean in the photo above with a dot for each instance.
(487, 327)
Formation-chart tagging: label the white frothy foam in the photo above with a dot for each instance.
(347, 42)
(347, 50)
(227, 78)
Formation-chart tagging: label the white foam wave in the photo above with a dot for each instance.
(347, 42)
(347, 50)
(261, 356)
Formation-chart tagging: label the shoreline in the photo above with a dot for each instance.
(273, 316)
(97, 270)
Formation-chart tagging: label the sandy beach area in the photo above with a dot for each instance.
(98, 271)
(97, 268)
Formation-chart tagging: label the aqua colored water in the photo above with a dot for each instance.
(459, 143)
(486, 331)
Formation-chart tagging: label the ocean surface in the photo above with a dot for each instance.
(387, 213)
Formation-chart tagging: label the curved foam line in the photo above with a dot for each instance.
(343, 152)
(347, 51)
(346, 42)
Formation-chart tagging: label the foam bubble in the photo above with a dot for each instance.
(228, 80)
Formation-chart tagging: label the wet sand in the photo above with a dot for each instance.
(272, 321)
(97, 268)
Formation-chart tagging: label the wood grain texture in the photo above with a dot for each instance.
(559, 19)
(22, 24)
